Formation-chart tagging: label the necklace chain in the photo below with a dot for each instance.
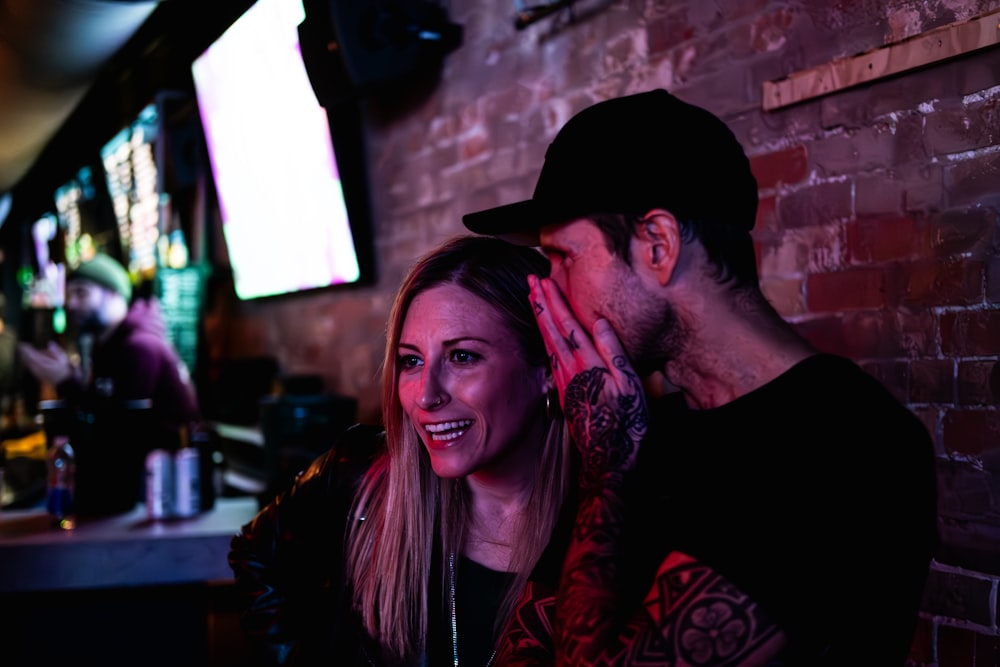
(454, 615)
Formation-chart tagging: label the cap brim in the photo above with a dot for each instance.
(516, 223)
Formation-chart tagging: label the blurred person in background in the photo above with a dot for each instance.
(124, 354)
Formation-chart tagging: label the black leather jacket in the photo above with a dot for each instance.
(289, 563)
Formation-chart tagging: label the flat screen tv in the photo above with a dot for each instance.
(292, 197)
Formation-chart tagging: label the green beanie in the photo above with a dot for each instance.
(106, 272)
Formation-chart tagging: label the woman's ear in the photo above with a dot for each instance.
(659, 241)
(548, 382)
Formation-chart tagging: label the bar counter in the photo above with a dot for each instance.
(119, 551)
(122, 590)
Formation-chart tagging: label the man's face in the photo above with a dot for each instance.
(85, 305)
(597, 283)
(582, 266)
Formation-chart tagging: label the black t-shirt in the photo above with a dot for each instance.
(478, 593)
(815, 495)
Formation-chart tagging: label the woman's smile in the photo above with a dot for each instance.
(444, 434)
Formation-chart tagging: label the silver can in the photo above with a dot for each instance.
(160, 484)
(187, 501)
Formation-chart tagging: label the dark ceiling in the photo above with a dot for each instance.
(72, 72)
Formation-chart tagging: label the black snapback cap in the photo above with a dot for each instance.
(628, 155)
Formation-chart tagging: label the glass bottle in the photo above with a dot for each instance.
(60, 462)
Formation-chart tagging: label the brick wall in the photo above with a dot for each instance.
(877, 233)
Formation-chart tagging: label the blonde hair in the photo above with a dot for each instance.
(391, 538)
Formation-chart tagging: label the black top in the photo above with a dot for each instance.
(815, 494)
(478, 594)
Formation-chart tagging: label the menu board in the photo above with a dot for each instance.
(133, 183)
(182, 294)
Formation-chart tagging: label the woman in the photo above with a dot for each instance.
(408, 544)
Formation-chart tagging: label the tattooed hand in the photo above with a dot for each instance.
(602, 396)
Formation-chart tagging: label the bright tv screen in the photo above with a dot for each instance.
(283, 205)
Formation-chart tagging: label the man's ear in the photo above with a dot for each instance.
(659, 243)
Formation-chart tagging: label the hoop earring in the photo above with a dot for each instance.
(551, 406)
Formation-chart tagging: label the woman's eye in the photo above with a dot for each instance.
(407, 361)
(464, 356)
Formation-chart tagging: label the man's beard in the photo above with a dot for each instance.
(656, 338)
(86, 323)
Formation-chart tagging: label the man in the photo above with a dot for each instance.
(781, 509)
(124, 353)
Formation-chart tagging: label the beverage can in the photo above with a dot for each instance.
(160, 484)
(188, 482)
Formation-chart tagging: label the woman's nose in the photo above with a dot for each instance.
(432, 394)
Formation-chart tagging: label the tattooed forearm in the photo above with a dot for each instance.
(607, 428)
(606, 436)
(691, 617)
(694, 616)
(587, 600)
(528, 638)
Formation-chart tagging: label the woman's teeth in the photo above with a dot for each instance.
(448, 430)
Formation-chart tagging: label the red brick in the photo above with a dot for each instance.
(771, 31)
(918, 331)
(473, 146)
(932, 381)
(861, 335)
(987, 650)
(878, 194)
(894, 376)
(956, 647)
(766, 216)
(867, 149)
(971, 431)
(845, 290)
(784, 167)
(993, 280)
(924, 186)
(665, 33)
(956, 282)
(871, 335)
(880, 239)
(973, 180)
(955, 128)
(974, 382)
(965, 232)
(971, 333)
(922, 647)
(508, 102)
(805, 250)
(785, 295)
(816, 205)
(909, 138)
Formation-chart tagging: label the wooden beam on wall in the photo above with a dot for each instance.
(918, 51)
